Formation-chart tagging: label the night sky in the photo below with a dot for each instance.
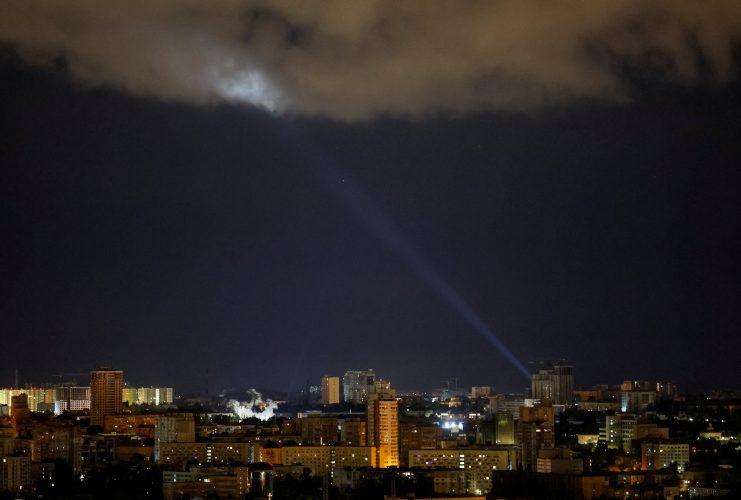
(196, 238)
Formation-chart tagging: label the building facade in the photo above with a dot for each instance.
(353, 431)
(330, 390)
(660, 454)
(505, 428)
(555, 384)
(203, 453)
(106, 391)
(383, 425)
(357, 384)
(15, 474)
(177, 428)
(535, 431)
(478, 465)
(69, 398)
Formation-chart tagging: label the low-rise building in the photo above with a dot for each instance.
(660, 454)
(559, 461)
(202, 482)
(141, 425)
(478, 464)
(204, 453)
(320, 458)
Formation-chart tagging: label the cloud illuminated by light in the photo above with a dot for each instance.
(250, 86)
(359, 60)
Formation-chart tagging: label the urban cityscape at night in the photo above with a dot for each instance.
(379, 249)
(355, 436)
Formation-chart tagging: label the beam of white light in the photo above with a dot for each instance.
(362, 206)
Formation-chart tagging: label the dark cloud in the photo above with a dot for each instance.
(356, 60)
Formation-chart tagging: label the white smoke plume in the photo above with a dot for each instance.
(360, 59)
(256, 406)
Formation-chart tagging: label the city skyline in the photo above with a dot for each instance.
(67, 439)
(259, 196)
(551, 381)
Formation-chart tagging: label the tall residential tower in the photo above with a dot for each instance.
(383, 424)
(106, 391)
(330, 390)
(555, 384)
(357, 384)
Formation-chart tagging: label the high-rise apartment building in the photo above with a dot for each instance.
(542, 385)
(19, 408)
(106, 389)
(148, 395)
(555, 384)
(357, 384)
(564, 377)
(330, 390)
(38, 399)
(129, 396)
(71, 399)
(155, 395)
(505, 430)
(535, 431)
(383, 424)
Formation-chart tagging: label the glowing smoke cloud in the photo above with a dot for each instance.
(264, 409)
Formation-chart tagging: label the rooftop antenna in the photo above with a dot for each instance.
(16, 378)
